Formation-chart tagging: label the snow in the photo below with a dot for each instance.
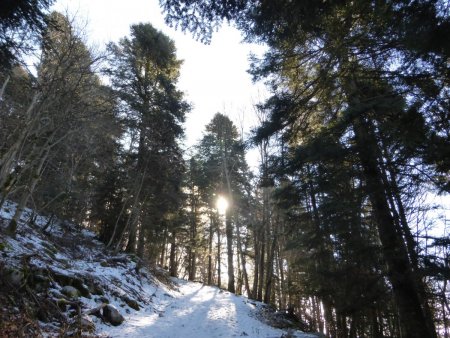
(198, 311)
(168, 307)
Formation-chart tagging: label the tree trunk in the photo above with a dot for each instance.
(132, 236)
(133, 216)
(259, 295)
(329, 319)
(10, 157)
(229, 233)
(33, 180)
(256, 240)
(210, 253)
(242, 256)
(280, 267)
(219, 272)
(400, 272)
(376, 331)
(172, 259)
(141, 241)
(269, 270)
(162, 259)
(116, 224)
(228, 224)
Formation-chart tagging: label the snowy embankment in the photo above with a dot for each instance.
(62, 282)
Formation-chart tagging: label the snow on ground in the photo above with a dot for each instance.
(152, 307)
(198, 311)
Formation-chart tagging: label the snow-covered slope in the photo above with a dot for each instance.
(63, 282)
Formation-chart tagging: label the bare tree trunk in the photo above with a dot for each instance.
(132, 240)
(228, 225)
(116, 224)
(282, 279)
(162, 258)
(141, 242)
(5, 84)
(261, 266)
(219, 272)
(376, 331)
(242, 257)
(192, 257)
(10, 157)
(210, 253)
(134, 213)
(33, 180)
(257, 243)
(239, 280)
(230, 256)
(269, 270)
(173, 262)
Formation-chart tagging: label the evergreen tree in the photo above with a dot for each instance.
(21, 22)
(144, 71)
(224, 170)
(356, 70)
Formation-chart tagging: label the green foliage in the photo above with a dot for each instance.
(24, 18)
(360, 92)
(144, 71)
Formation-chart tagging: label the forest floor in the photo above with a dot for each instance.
(62, 282)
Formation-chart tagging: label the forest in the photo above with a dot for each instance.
(336, 226)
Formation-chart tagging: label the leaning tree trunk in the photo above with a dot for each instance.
(10, 157)
(36, 173)
(400, 273)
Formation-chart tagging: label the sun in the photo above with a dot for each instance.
(222, 205)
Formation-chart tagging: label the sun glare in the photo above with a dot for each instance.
(222, 205)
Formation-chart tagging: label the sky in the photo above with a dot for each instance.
(213, 77)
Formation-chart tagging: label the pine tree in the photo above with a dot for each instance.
(221, 157)
(144, 71)
(352, 69)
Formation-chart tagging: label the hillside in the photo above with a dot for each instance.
(62, 282)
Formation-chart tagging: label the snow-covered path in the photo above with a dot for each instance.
(197, 311)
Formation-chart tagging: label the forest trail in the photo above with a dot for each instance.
(199, 311)
(150, 304)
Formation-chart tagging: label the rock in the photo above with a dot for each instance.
(112, 315)
(70, 291)
(74, 282)
(84, 290)
(132, 303)
(95, 289)
(103, 299)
